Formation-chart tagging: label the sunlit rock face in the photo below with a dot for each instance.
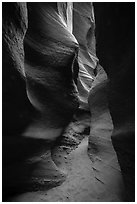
(49, 67)
(41, 45)
(50, 54)
(39, 92)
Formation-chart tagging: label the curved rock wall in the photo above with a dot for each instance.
(50, 68)
(115, 36)
(16, 106)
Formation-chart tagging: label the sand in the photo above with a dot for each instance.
(85, 180)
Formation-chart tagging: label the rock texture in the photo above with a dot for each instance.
(50, 52)
(115, 48)
(16, 106)
(81, 165)
(84, 181)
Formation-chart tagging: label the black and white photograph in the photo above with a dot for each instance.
(68, 101)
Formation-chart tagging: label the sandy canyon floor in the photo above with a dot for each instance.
(85, 176)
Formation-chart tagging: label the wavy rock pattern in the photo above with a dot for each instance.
(52, 151)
